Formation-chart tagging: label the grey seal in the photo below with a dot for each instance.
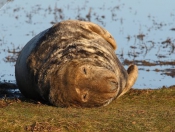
(73, 63)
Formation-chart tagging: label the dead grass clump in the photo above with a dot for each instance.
(42, 127)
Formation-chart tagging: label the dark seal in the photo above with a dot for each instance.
(73, 63)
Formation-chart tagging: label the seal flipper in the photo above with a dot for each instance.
(102, 32)
(132, 77)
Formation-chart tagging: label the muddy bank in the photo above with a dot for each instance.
(9, 90)
(143, 63)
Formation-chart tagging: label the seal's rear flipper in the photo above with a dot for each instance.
(132, 77)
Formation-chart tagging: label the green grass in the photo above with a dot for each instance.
(136, 111)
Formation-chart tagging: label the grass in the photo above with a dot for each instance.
(137, 111)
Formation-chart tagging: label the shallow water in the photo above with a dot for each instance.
(144, 31)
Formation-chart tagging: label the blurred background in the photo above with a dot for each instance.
(143, 30)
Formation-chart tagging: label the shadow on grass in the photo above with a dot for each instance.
(9, 93)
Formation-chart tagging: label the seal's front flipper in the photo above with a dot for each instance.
(100, 31)
(132, 77)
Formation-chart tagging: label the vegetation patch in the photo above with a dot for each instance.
(138, 110)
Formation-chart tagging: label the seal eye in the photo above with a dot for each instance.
(85, 97)
(84, 70)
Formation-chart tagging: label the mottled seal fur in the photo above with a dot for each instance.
(73, 63)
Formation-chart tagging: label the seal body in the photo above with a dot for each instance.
(73, 63)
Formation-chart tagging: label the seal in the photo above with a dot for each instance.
(73, 63)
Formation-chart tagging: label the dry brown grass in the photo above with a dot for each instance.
(138, 110)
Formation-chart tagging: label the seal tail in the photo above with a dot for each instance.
(132, 77)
